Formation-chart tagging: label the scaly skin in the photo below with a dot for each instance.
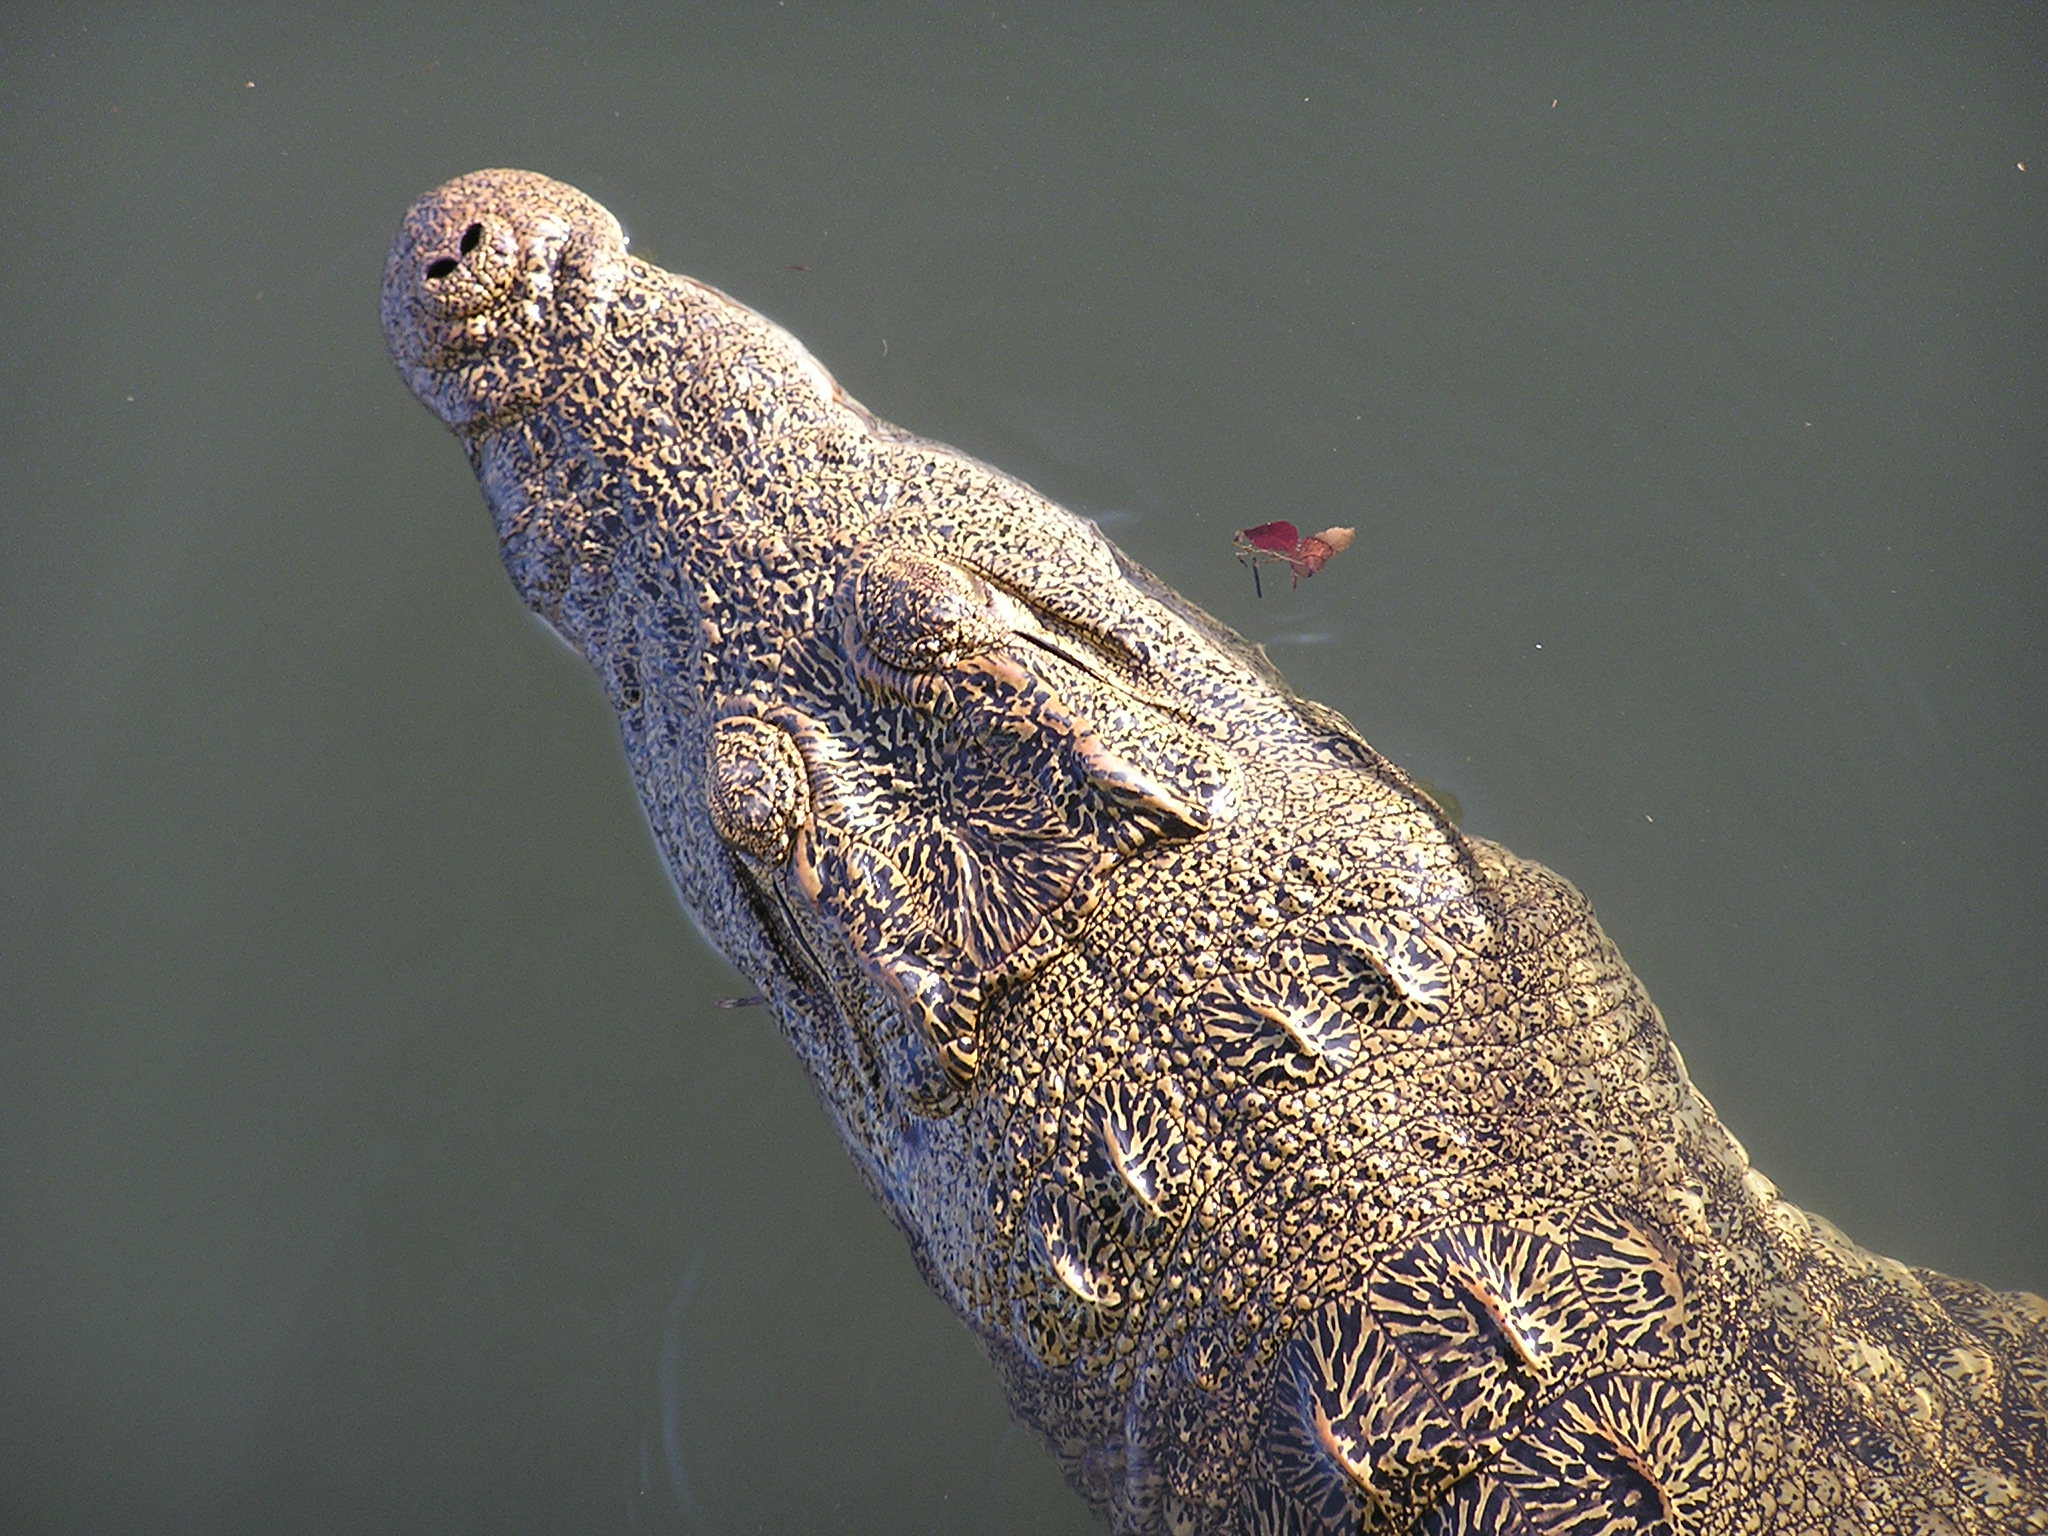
(1302, 1163)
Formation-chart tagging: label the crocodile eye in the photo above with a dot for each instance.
(918, 614)
(760, 792)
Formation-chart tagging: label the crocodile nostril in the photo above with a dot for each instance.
(472, 237)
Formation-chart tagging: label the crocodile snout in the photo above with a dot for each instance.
(493, 290)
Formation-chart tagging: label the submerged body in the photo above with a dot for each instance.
(1302, 1163)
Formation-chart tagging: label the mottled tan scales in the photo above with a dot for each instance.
(1302, 1163)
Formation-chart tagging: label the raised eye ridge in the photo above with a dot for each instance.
(758, 787)
(918, 614)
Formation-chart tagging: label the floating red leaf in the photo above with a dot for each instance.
(1277, 539)
(1282, 541)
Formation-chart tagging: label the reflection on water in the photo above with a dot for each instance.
(673, 1460)
(365, 1108)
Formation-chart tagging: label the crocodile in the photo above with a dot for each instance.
(1302, 1162)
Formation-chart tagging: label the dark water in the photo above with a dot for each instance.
(371, 1156)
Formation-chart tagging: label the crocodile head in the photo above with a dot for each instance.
(895, 717)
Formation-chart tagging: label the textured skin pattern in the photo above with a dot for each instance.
(1303, 1164)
